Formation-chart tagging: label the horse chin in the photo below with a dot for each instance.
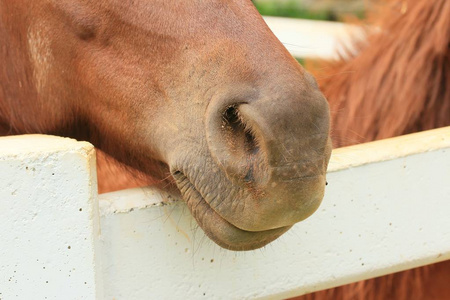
(219, 229)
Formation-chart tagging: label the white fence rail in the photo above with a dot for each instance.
(386, 209)
(315, 39)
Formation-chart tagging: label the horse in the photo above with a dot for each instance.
(397, 82)
(198, 96)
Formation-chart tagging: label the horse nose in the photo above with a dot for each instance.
(276, 146)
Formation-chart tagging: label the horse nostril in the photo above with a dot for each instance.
(237, 134)
(235, 141)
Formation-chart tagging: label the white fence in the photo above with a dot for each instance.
(315, 39)
(386, 209)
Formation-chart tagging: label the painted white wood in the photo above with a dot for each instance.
(386, 209)
(48, 221)
(314, 39)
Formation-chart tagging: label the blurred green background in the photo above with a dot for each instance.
(330, 10)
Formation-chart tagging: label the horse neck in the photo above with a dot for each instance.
(22, 108)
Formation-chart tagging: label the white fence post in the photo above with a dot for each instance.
(48, 219)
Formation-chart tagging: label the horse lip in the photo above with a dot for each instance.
(237, 239)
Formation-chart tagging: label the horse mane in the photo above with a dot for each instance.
(398, 80)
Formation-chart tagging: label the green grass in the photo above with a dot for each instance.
(291, 9)
(300, 60)
(294, 9)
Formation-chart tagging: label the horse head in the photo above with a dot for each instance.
(198, 94)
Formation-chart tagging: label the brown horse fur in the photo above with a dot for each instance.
(425, 283)
(197, 95)
(397, 83)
